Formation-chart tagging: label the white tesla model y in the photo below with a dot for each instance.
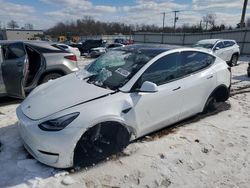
(125, 94)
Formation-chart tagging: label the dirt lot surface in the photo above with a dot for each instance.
(209, 150)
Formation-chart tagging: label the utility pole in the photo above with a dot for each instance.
(163, 21)
(242, 21)
(163, 25)
(175, 18)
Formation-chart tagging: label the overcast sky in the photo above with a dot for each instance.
(43, 14)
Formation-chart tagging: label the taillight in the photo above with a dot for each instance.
(71, 57)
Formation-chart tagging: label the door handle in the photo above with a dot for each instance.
(177, 88)
(210, 77)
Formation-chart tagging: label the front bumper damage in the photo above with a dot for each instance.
(50, 148)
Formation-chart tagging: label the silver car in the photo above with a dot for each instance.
(26, 64)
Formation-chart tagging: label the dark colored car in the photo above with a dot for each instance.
(115, 45)
(124, 41)
(86, 46)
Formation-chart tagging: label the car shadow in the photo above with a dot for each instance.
(244, 58)
(4, 101)
(241, 77)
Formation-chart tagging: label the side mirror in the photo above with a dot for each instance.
(216, 48)
(149, 87)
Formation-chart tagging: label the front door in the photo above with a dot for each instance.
(14, 68)
(154, 111)
(220, 51)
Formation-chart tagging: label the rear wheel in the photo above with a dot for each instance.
(234, 59)
(100, 142)
(50, 76)
(210, 104)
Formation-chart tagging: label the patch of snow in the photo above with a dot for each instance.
(68, 180)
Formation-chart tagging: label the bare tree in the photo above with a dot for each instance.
(209, 19)
(29, 26)
(12, 24)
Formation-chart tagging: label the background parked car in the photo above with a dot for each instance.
(115, 45)
(228, 50)
(124, 41)
(87, 45)
(70, 49)
(96, 52)
(26, 64)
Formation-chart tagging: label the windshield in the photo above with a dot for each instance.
(115, 68)
(204, 45)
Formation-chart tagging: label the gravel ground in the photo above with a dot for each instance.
(209, 150)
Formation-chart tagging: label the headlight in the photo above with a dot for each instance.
(59, 123)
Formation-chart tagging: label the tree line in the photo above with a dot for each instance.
(89, 26)
(12, 24)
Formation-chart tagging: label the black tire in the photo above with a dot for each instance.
(100, 142)
(234, 60)
(93, 55)
(50, 76)
(210, 104)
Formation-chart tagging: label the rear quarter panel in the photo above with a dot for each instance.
(223, 76)
(57, 61)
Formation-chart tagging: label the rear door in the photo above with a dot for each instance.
(14, 67)
(198, 81)
(228, 50)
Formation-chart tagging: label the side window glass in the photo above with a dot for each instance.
(162, 71)
(13, 51)
(192, 61)
(64, 47)
(220, 45)
(228, 43)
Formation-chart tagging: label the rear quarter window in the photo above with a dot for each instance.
(228, 43)
(192, 61)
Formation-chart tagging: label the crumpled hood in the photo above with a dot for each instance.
(59, 94)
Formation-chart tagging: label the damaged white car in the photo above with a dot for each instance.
(82, 118)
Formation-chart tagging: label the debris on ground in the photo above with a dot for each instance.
(205, 150)
(68, 180)
(197, 140)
